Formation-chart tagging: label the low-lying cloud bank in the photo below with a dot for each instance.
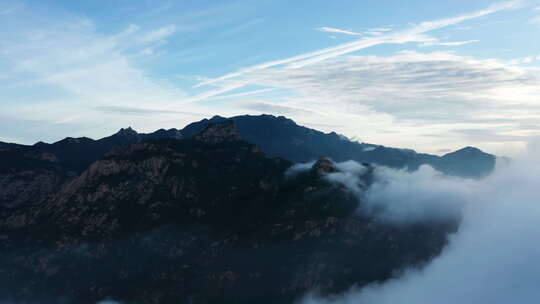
(402, 197)
(493, 258)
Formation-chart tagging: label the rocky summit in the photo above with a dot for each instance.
(201, 217)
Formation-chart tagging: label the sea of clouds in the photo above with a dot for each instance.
(494, 256)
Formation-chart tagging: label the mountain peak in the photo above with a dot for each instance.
(162, 133)
(40, 144)
(74, 140)
(124, 136)
(217, 117)
(127, 132)
(324, 166)
(467, 150)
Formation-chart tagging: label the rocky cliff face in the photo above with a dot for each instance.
(203, 220)
(32, 173)
(219, 132)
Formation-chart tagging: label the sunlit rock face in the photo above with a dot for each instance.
(219, 132)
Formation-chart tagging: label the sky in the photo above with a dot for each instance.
(429, 75)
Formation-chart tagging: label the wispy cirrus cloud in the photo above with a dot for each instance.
(412, 34)
(377, 31)
(139, 111)
(67, 67)
(372, 32)
(453, 43)
(429, 98)
(338, 31)
(411, 85)
(158, 35)
(381, 29)
(241, 27)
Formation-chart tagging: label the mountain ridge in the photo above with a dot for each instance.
(280, 136)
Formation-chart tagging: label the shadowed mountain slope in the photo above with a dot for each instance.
(209, 219)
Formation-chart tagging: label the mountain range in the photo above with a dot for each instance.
(276, 136)
(206, 214)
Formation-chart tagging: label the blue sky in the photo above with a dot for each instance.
(419, 74)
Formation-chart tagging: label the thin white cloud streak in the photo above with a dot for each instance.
(381, 29)
(491, 259)
(243, 94)
(159, 34)
(454, 43)
(413, 34)
(433, 25)
(339, 31)
(216, 92)
(373, 33)
(352, 47)
(241, 27)
(377, 31)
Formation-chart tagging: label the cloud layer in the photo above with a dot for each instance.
(492, 259)
(419, 95)
(401, 197)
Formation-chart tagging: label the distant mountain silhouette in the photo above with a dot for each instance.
(275, 136)
(468, 161)
(76, 154)
(282, 137)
